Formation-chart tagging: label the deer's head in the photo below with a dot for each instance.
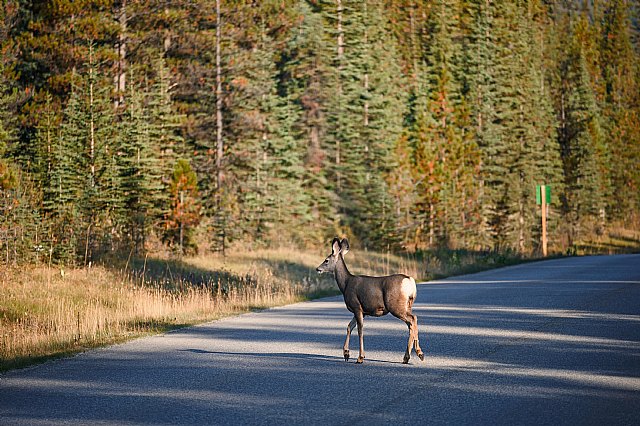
(338, 248)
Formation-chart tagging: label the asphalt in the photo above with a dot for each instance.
(553, 342)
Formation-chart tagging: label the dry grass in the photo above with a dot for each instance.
(617, 240)
(45, 313)
(299, 266)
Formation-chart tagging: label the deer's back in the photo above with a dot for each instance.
(377, 296)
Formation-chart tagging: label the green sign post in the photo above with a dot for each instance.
(547, 191)
(543, 197)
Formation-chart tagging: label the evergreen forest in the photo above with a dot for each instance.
(132, 125)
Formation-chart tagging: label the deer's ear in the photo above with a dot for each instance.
(344, 246)
(335, 247)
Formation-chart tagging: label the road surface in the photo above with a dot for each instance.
(554, 342)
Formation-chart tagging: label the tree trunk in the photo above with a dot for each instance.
(181, 222)
(92, 144)
(340, 55)
(167, 34)
(366, 75)
(432, 216)
(219, 142)
(121, 63)
(412, 40)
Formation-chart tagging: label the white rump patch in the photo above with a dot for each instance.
(408, 288)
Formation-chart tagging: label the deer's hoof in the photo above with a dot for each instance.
(360, 360)
(421, 356)
(346, 355)
(405, 360)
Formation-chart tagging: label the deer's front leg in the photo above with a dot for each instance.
(345, 348)
(360, 321)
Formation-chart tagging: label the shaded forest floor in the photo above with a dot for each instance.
(49, 312)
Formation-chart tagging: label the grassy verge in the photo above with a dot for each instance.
(616, 241)
(445, 263)
(46, 313)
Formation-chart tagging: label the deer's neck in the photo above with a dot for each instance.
(341, 274)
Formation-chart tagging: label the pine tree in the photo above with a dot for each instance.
(21, 227)
(8, 94)
(163, 135)
(345, 112)
(402, 191)
(538, 160)
(583, 149)
(184, 214)
(54, 39)
(621, 78)
(19, 198)
(256, 130)
(441, 124)
(483, 95)
(288, 202)
(82, 194)
(383, 112)
(63, 189)
(365, 118)
(513, 118)
(304, 75)
(145, 197)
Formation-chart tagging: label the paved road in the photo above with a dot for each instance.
(555, 342)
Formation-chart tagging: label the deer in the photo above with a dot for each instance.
(372, 296)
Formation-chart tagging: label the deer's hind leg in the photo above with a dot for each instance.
(413, 331)
(407, 355)
(345, 348)
(416, 342)
(412, 323)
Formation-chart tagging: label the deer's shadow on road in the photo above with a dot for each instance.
(287, 355)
